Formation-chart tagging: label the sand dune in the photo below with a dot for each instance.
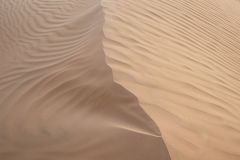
(181, 59)
(58, 99)
(68, 92)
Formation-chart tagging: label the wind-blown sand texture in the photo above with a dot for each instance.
(75, 88)
(181, 58)
(58, 100)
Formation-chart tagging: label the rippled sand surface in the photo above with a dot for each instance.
(75, 88)
(58, 100)
(181, 58)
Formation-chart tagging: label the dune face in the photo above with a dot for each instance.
(181, 59)
(58, 99)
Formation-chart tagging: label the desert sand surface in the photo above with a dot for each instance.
(181, 58)
(58, 100)
(119, 79)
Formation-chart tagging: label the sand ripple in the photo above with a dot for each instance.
(181, 59)
(58, 99)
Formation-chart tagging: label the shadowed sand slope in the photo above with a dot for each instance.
(181, 59)
(58, 100)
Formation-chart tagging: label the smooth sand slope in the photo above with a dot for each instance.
(58, 100)
(181, 58)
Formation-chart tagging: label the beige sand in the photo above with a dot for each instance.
(181, 58)
(58, 100)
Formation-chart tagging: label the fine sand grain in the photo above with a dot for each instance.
(181, 58)
(58, 100)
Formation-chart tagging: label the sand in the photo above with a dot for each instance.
(99, 80)
(182, 60)
(58, 100)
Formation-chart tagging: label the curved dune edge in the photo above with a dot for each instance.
(181, 59)
(58, 99)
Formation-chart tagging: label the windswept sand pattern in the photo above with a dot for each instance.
(58, 99)
(182, 60)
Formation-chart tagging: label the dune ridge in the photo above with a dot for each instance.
(181, 59)
(58, 99)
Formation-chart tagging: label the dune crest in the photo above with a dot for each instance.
(58, 99)
(181, 59)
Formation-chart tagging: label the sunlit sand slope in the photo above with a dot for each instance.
(58, 100)
(181, 58)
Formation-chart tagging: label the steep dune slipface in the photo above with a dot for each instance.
(181, 59)
(57, 95)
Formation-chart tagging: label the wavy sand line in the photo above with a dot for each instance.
(58, 99)
(181, 59)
